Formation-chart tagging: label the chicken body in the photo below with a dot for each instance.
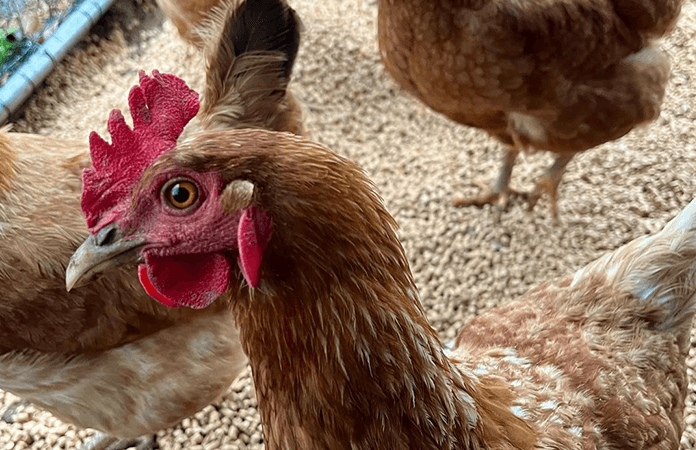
(341, 351)
(556, 75)
(101, 356)
(105, 355)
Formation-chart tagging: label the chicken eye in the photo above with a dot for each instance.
(181, 194)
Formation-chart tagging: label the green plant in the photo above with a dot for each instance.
(5, 43)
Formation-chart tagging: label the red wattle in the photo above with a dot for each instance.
(193, 280)
(150, 288)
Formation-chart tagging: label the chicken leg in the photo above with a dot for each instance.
(501, 192)
(549, 183)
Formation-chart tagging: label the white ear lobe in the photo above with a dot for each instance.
(237, 194)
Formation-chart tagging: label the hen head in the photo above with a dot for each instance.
(140, 203)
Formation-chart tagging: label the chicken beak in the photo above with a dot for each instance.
(100, 253)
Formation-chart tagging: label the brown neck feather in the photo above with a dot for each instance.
(343, 355)
(334, 371)
(358, 367)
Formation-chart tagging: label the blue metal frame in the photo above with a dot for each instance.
(32, 73)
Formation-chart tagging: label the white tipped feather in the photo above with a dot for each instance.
(660, 268)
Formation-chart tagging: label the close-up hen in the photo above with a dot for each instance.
(105, 356)
(557, 75)
(297, 242)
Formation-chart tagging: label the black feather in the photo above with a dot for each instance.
(265, 25)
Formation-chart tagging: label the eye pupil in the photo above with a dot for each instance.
(179, 194)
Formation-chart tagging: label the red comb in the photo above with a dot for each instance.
(160, 107)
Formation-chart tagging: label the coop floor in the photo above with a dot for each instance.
(464, 260)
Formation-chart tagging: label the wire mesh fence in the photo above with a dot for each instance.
(24, 26)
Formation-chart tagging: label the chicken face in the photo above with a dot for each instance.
(182, 228)
(173, 219)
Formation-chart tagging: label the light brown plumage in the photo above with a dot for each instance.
(556, 75)
(99, 356)
(206, 24)
(188, 16)
(105, 355)
(342, 353)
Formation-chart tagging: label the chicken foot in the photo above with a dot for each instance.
(501, 191)
(549, 183)
(9, 415)
(102, 441)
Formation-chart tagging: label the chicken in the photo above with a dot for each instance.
(556, 75)
(99, 357)
(105, 356)
(188, 16)
(193, 18)
(297, 243)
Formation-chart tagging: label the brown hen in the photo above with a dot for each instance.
(298, 243)
(105, 355)
(556, 75)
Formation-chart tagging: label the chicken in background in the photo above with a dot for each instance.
(106, 356)
(297, 242)
(556, 75)
(188, 16)
(100, 356)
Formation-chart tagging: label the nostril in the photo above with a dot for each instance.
(107, 235)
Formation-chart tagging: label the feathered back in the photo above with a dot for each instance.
(160, 107)
(7, 158)
(251, 49)
(660, 269)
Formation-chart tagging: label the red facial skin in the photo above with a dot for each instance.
(184, 265)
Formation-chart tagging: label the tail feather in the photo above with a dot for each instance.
(252, 47)
(661, 269)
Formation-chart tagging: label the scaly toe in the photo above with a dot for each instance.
(544, 185)
(9, 415)
(102, 441)
(489, 197)
(479, 200)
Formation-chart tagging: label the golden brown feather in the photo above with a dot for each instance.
(593, 359)
(249, 65)
(249, 61)
(556, 75)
